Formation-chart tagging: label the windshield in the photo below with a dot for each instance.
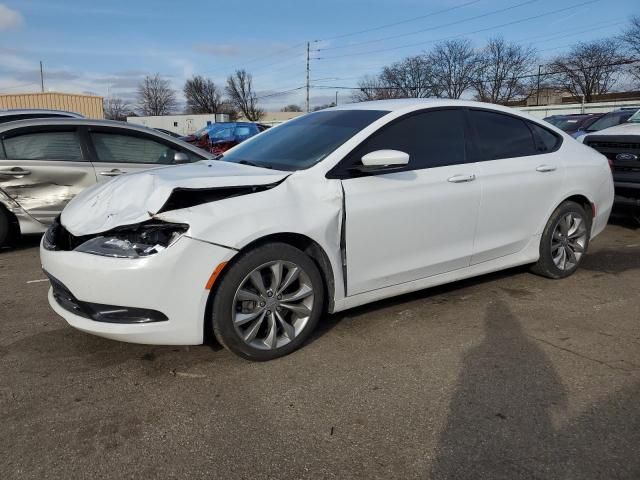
(635, 118)
(304, 141)
(567, 123)
(609, 120)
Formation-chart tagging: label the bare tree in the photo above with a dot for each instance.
(115, 108)
(501, 71)
(156, 97)
(242, 97)
(372, 88)
(453, 65)
(411, 77)
(590, 68)
(322, 107)
(203, 96)
(291, 108)
(631, 39)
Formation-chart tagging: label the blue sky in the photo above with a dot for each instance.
(107, 47)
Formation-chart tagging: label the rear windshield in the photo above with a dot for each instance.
(304, 141)
(610, 120)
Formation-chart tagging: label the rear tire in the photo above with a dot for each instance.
(564, 241)
(268, 302)
(5, 227)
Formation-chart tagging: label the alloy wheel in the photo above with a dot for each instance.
(272, 305)
(568, 241)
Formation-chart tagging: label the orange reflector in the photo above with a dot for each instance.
(214, 275)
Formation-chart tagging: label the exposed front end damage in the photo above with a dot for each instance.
(150, 242)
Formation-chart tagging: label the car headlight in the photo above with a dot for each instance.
(137, 241)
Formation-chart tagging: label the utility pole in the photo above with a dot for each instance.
(308, 43)
(538, 89)
(336, 98)
(41, 78)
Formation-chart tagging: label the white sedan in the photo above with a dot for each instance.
(326, 212)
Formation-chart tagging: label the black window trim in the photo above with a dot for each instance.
(342, 171)
(15, 132)
(476, 152)
(86, 131)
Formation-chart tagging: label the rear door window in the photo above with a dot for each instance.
(501, 136)
(121, 148)
(57, 145)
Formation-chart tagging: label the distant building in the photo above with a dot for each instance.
(180, 124)
(88, 105)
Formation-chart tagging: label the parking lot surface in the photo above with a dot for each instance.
(504, 376)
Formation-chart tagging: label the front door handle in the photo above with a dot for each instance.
(112, 173)
(462, 178)
(546, 168)
(15, 172)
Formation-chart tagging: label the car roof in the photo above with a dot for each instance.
(34, 122)
(416, 103)
(31, 111)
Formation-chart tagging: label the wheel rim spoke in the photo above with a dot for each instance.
(292, 276)
(298, 308)
(242, 318)
(287, 328)
(252, 331)
(303, 292)
(272, 336)
(246, 295)
(256, 280)
(276, 270)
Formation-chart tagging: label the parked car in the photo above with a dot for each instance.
(328, 211)
(45, 162)
(12, 115)
(220, 137)
(608, 120)
(621, 145)
(168, 132)
(575, 123)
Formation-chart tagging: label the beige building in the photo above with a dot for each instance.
(88, 105)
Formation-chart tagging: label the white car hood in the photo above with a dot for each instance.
(136, 197)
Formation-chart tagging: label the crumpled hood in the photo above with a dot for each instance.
(136, 197)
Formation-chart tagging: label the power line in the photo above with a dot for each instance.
(435, 27)
(515, 22)
(413, 19)
(520, 77)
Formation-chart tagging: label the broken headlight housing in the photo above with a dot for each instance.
(136, 241)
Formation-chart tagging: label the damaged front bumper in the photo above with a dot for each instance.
(172, 284)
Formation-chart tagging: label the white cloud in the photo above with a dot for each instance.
(10, 18)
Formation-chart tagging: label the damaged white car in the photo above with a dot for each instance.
(326, 212)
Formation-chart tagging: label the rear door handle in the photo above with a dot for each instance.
(112, 173)
(546, 168)
(15, 172)
(462, 178)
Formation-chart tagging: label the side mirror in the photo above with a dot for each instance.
(180, 157)
(382, 160)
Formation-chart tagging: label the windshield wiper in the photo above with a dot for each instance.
(252, 164)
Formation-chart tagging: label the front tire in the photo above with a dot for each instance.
(268, 302)
(564, 241)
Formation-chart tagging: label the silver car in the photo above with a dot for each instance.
(45, 162)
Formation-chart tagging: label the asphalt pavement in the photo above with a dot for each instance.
(505, 376)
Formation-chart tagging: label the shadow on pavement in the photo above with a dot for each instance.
(500, 424)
